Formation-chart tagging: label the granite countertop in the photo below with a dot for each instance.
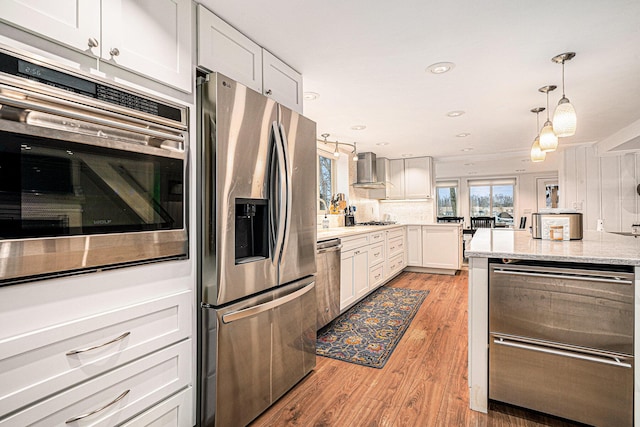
(337, 232)
(596, 247)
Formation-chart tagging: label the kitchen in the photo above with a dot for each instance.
(596, 170)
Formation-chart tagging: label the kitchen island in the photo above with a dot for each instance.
(598, 248)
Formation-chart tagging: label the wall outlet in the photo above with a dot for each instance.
(600, 225)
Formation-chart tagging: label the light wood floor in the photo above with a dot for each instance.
(424, 383)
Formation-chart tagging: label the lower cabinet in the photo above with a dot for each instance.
(368, 261)
(437, 246)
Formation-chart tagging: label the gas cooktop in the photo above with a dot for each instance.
(376, 223)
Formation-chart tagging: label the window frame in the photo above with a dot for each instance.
(448, 184)
(334, 166)
(491, 183)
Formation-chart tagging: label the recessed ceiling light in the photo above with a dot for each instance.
(358, 127)
(310, 96)
(467, 149)
(463, 135)
(456, 113)
(441, 67)
(382, 143)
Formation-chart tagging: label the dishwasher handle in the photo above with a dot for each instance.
(570, 276)
(329, 249)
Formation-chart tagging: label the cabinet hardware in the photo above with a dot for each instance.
(93, 42)
(114, 52)
(268, 92)
(356, 252)
(95, 347)
(95, 411)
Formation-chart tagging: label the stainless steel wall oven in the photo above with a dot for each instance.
(91, 175)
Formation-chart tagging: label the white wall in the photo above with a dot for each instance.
(601, 187)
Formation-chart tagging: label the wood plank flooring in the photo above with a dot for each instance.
(424, 383)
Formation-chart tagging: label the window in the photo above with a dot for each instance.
(447, 193)
(494, 199)
(326, 181)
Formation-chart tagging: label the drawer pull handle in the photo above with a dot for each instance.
(95, 347)
(376, 254)
(377, 276)
(356, 252)
(95, 411)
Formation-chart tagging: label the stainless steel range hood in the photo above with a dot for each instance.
(370, 173)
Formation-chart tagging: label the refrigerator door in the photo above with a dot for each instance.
(236, 154)
(298, 257)
(264, 346)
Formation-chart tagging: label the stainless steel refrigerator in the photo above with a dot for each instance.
(256, 260)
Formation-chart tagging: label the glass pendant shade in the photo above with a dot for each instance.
(355, 157)
(537, 155)
(564, 119)
(548, 139)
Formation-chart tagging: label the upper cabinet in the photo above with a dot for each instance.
(224, 49)
(281, 82)
(410, 178)
(147, 37)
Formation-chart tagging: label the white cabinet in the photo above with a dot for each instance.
(281, 82)
(224, 49)
(437, 246)
(396, 250)
(411, 178)
(148, 37)
(441, 247)
(354, 275)
(414, 245)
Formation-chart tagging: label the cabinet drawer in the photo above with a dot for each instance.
(353, 242)
(376, 254)
(175, 411)
(395, 233)
(376, 275)
(37, 364)
(396, 246)
(396, 264)
(140, 384)
(377, 237)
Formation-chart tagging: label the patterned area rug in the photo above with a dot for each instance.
(368, 333)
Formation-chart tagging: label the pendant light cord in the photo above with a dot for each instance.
(563, 78)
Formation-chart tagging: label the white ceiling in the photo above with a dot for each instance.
(367, 60)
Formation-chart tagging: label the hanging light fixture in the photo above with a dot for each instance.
(537, 155)
(354, 152)
(548, 139)
(564, 118)
(336, 153)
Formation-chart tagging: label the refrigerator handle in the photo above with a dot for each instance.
(278, 189)
(261, 308)
(287, 181)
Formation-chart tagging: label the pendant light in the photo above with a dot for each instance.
(548, 139)
(355, 152)
(537, 155)
(336, 153)
(564, 118)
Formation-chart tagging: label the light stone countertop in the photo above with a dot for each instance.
(337, 232)
(596, 247)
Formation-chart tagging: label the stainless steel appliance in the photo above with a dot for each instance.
(542, 222)
(257, 188)
(370, 171)
(561, 339)
(328, 281)
(91, 175)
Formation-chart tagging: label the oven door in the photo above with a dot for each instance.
(68, 206)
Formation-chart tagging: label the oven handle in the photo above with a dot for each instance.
(605, 359)
(89, 118)
(261, 308)
(594, 278)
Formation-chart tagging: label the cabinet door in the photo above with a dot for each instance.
(441, 247)
(281, 82)
(224, 49)
(414, 245)
(395, 186)
(361, 272)
(150, 37)
(417, 178)
(71, 23)
(347, 291)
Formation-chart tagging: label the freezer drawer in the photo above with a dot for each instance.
(254, 351)
(572, 305)
(586, 386)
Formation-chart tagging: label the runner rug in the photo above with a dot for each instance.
(368, 332)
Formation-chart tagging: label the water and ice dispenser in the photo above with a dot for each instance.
(252, 232)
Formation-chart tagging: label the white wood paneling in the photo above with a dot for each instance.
(610, 176)
(592, 210)
(570, 185)
(628, 195)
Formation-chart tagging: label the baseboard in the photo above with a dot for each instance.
(446, 271)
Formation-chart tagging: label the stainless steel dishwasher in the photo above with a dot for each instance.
(328, 281)
(561, 339)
